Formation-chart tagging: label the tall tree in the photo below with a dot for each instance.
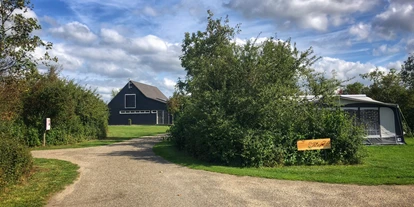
(407, 71)
(390, 87)
(355, 88)
(114, 92)
(17, 41)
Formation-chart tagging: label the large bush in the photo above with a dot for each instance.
(77, 113)
(15, 162)
(244, 105)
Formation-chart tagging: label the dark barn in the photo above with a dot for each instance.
(139, 103)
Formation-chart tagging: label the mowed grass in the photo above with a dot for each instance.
(49, 176)
(115, 134)
(385, 165)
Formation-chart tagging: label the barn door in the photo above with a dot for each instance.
(161, 117)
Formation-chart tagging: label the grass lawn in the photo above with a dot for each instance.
(384, 165)
(49, 176)
(115, 134)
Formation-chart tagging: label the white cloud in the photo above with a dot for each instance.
(398, 17)
(385, 50)
(74, 31)
(111, 36)
(26, 12)
(395, 65)
(147, 44)
(314, 14)
(169, 83)
(361, 30)
(342, 69)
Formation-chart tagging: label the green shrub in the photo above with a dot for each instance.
(77, 113)
(242, 105)
(15, 162)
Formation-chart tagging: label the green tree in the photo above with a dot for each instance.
(17, 42)
(244, 104)
(390, 87)
(355, 88)
(407, 72)
(77, 113)
(114, 92)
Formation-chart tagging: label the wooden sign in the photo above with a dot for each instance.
(314, 144)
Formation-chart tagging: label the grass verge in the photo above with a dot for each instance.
(115, 134)
(385, 165)
(49, 176)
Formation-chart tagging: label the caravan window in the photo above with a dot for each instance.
(352, 112)
(369, 117)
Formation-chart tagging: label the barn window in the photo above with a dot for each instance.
(130, 101)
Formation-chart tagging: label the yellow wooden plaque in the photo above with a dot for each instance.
(314, 144)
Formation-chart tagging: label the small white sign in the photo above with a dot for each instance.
(48, 126)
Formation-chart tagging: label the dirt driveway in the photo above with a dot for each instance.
(130, 174)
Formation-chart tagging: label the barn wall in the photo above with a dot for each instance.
(117, 104)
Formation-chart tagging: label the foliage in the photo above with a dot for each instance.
(77, 113)
(114, 92)
(50, 176)
(384, 165)
(245, 105)
(390, 87)
(355, 88)
(176, 103)
(15, 162)
(407, 72)
(17, 42)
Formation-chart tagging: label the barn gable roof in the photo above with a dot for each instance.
(151, 92)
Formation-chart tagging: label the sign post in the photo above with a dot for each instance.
(48, 126)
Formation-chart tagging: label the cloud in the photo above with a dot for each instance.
(386, 50)
(111, 36)
(395, 65)
(313, 14)
(75, 32)
(147, 44)
(361, 30)
(396, 18)
(26, 12)
(344, 70)
(118, 58)
(50, 20)
(410, 46)
(149, 11)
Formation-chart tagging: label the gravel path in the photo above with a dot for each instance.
(130, 174)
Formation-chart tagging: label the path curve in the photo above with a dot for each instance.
(130, 174)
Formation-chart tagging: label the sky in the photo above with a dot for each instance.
(104, 43)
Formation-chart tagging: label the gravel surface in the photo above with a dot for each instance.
(130, 174)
